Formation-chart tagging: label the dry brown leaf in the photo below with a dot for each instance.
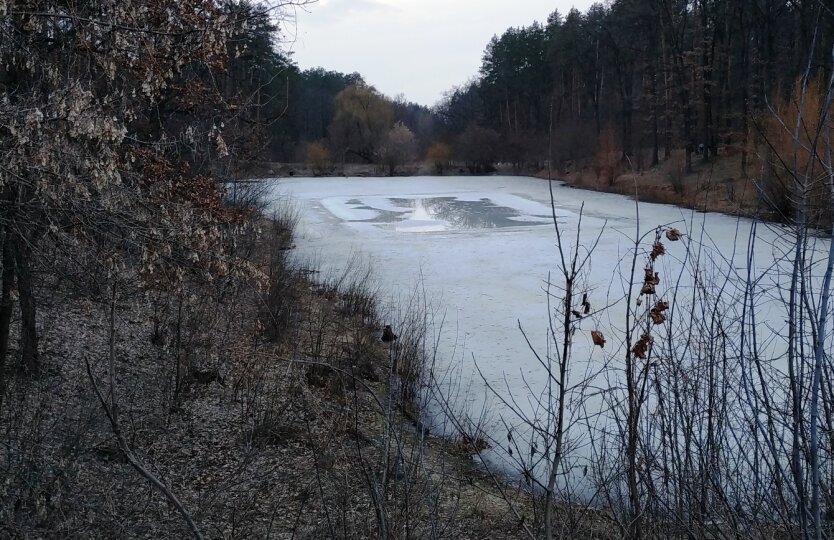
(673, 235)
(641, 348)
(598, 338)
(658, 249)
(657, 316)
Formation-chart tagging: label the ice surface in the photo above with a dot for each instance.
(485, 248)
(439, 213)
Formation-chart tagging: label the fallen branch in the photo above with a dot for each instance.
(112, 412)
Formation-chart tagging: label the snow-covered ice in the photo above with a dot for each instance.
(483, 249)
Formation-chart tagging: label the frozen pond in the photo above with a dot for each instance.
(481, 247)
(483, 250)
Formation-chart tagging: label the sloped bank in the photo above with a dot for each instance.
(268, 411)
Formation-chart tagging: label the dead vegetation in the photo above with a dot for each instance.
(714, 186)
(265, 409)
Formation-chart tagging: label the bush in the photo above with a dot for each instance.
(317, 157)
(676, 172)
(440, 156)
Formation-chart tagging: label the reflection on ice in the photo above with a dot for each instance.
(436, 214)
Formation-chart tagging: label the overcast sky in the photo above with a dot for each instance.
(418, 48)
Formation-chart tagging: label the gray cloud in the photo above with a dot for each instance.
(419, 48)
(336, 10)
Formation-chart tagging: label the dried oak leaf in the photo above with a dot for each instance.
(641, 348)
(673, 235)
(658, 249)
(657, 316)
(598, 338)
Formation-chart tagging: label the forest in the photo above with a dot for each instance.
(169, 369)
(646, 77)
(622, 88)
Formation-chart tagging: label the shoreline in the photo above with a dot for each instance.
(702, 193)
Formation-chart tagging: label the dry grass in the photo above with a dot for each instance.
(716, 186)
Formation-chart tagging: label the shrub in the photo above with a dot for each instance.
(317, 157)
(440, 156)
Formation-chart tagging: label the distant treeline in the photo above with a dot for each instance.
(641, 78)
(643, 74)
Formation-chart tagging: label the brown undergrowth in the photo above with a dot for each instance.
(271, 411)
(717, 185)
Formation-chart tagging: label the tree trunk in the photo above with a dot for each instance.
(654, 112)
(5, 311)
(28, 324)
(744, 84)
